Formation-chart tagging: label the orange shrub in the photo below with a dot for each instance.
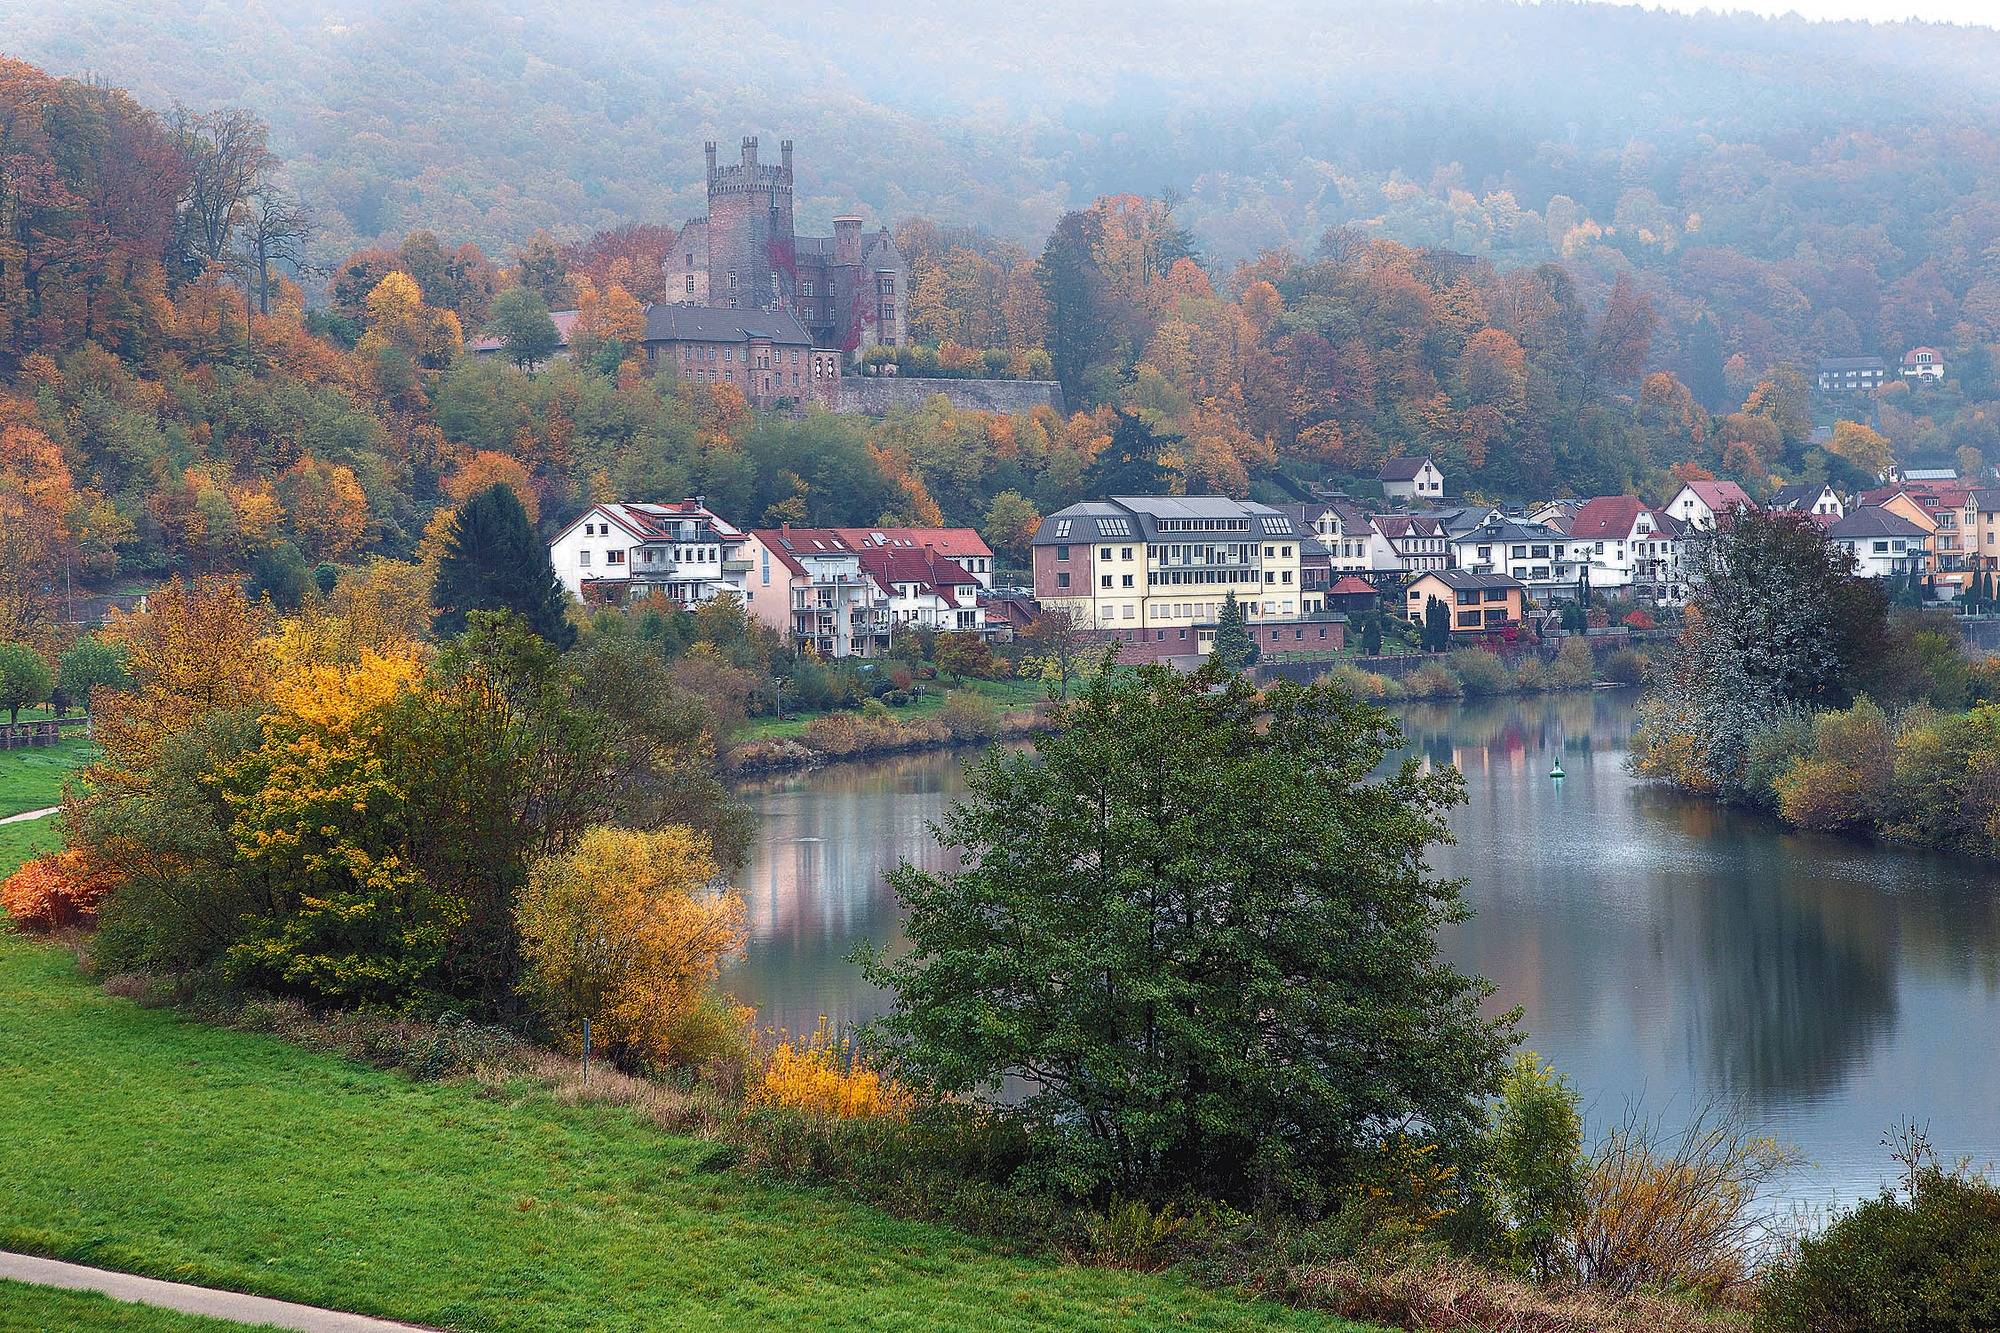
(823, 1075)
(52, 891)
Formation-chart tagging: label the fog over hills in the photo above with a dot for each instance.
(488, 124)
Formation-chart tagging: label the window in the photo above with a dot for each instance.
(690, 284)
(1062, 530)
(614, 557)
(1104, 554)
(583, 559)
(1104, 581)
(1062, 579)
(1114, 527)
(732, 279)
(1062, 552)
(1128, 581)
(1124, 553)
(805, 287)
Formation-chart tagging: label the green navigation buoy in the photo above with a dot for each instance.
(1557, 771)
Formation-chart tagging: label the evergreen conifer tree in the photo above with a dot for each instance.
(493, 561)
(1233, 645)
(1437, 626)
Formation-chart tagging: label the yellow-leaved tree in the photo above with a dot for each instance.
(628, 931)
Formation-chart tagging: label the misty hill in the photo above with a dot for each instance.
(1450, 122)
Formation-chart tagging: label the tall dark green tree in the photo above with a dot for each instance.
(493, 561)
(1130, 463)
(1203, 932)
(1233, 646)
(1437, 626)
(1079, 329)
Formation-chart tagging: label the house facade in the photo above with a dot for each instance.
(1533, 553)
(1412, 480)
(1619, 541)
(1884, 543)
(1479, 603)
(1148, 570)
(1820, 500)
(681, 551)
(1702, 505)
(846, 591)
(1417, 542)
(1347, 536)
(1850, 374)
(1923, 363)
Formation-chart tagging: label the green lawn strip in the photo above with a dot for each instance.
(1005, 693)
(29, 838)
(143, 1141)
(28, 1309)
(32, 777)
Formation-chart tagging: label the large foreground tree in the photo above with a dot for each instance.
(1200, 928)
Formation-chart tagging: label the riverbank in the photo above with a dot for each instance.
(494, 1202)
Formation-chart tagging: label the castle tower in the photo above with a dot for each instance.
(752, 255)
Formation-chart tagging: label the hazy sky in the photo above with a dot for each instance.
(1986, 13)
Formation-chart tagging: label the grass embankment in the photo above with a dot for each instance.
(144, 1141)
(1006, 693)
(32, 777)
(25, 1309)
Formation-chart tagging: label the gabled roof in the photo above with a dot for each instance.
(1799, 495)
(1910, 357)
(1402, 469)
(1399, 527)
(1349, 585)
(953, 542)
(1721, 496)
(654, 522)
(702, 323)
(1867, 521)
(1852, 363)
(1510, 530)
(1613, 517)
(891, 565)
(564, 320)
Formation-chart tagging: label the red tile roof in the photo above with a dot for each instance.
(1722, 496)
(1349, 586)
(1611, 516)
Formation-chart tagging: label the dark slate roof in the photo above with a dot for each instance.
(1464, 580)
(1853, 363)
(1873, 521)
(701, 323)
(1137, 518)
(1798, 495)
(1402, 469)
(1511, 530)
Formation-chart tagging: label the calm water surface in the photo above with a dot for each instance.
(1663, 952)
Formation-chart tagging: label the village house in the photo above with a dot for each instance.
(1417, 542)
(1884, 543)
(1344, 532)
(1150, 570)
(1939, 508)
(1702, 505)
(1408, 479)
(1851, 374)
(1923, 363)
(681, 551)
(1983, 542)
(1805, 497)
(1533, 553)
(845, 591)
(1624, 543)
(1479, 604)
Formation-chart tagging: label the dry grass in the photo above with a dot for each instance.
(1450, 1296)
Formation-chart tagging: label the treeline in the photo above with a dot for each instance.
(1795, 688)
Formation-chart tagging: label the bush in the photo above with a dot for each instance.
(1929, 1261)
(824, 1076)
(1432, 680)
(1365, 684)
(969, 716)
(1575, 667)
(53, 891)
(1639, 619)
(1627, 666)
(1536, 1147)
(1531, 676)
(1845, 781)
(1478, 671)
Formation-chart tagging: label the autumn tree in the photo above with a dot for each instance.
(485, 469)
(1010, 525)
(627, 931)
(230, 161)
(520, 319)
(90, 665)
(25, 679)
(326, 508)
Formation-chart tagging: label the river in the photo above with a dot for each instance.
(1665, 953)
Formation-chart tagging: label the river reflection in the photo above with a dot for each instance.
(1661, 950)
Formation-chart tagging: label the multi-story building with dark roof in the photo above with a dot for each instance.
(849, 289)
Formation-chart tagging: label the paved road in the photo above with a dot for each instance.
(42, 813)
(229, 1305)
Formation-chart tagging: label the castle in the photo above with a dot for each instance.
(848, 290)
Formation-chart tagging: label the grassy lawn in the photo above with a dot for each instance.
(143, 1141)
(33, 778)
(30, 838)
(1005, 693)
(25, 1309)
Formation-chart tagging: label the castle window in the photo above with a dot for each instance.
(805, 287)
(885, 285)
(690, 284)
(732, 279)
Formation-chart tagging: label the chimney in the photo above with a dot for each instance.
(749, 150)
(785, 153)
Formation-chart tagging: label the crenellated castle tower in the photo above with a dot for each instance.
(752, 255)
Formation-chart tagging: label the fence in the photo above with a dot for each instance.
(41, 732)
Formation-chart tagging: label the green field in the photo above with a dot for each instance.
(143, 1141)
(33, 778)
(1005, 693)
(25, 1309)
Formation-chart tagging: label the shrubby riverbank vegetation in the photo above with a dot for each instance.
(1794, 688)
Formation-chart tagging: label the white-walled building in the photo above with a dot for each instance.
(1348, 536)
(1412, 479)
(1883, 543)
(1702, 504)
(1821, 500)
(1625, 543)
(1534, 554)
(1923, 363)
(680, 551)
(845, 591)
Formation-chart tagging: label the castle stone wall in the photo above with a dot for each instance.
(872, 395)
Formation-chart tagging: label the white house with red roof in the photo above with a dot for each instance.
(1412, 479)
(925, 589)
(962, 546)
(1626, 543)
(844, 591)
(1704, 504)
(1923, 363)
(681, 551)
